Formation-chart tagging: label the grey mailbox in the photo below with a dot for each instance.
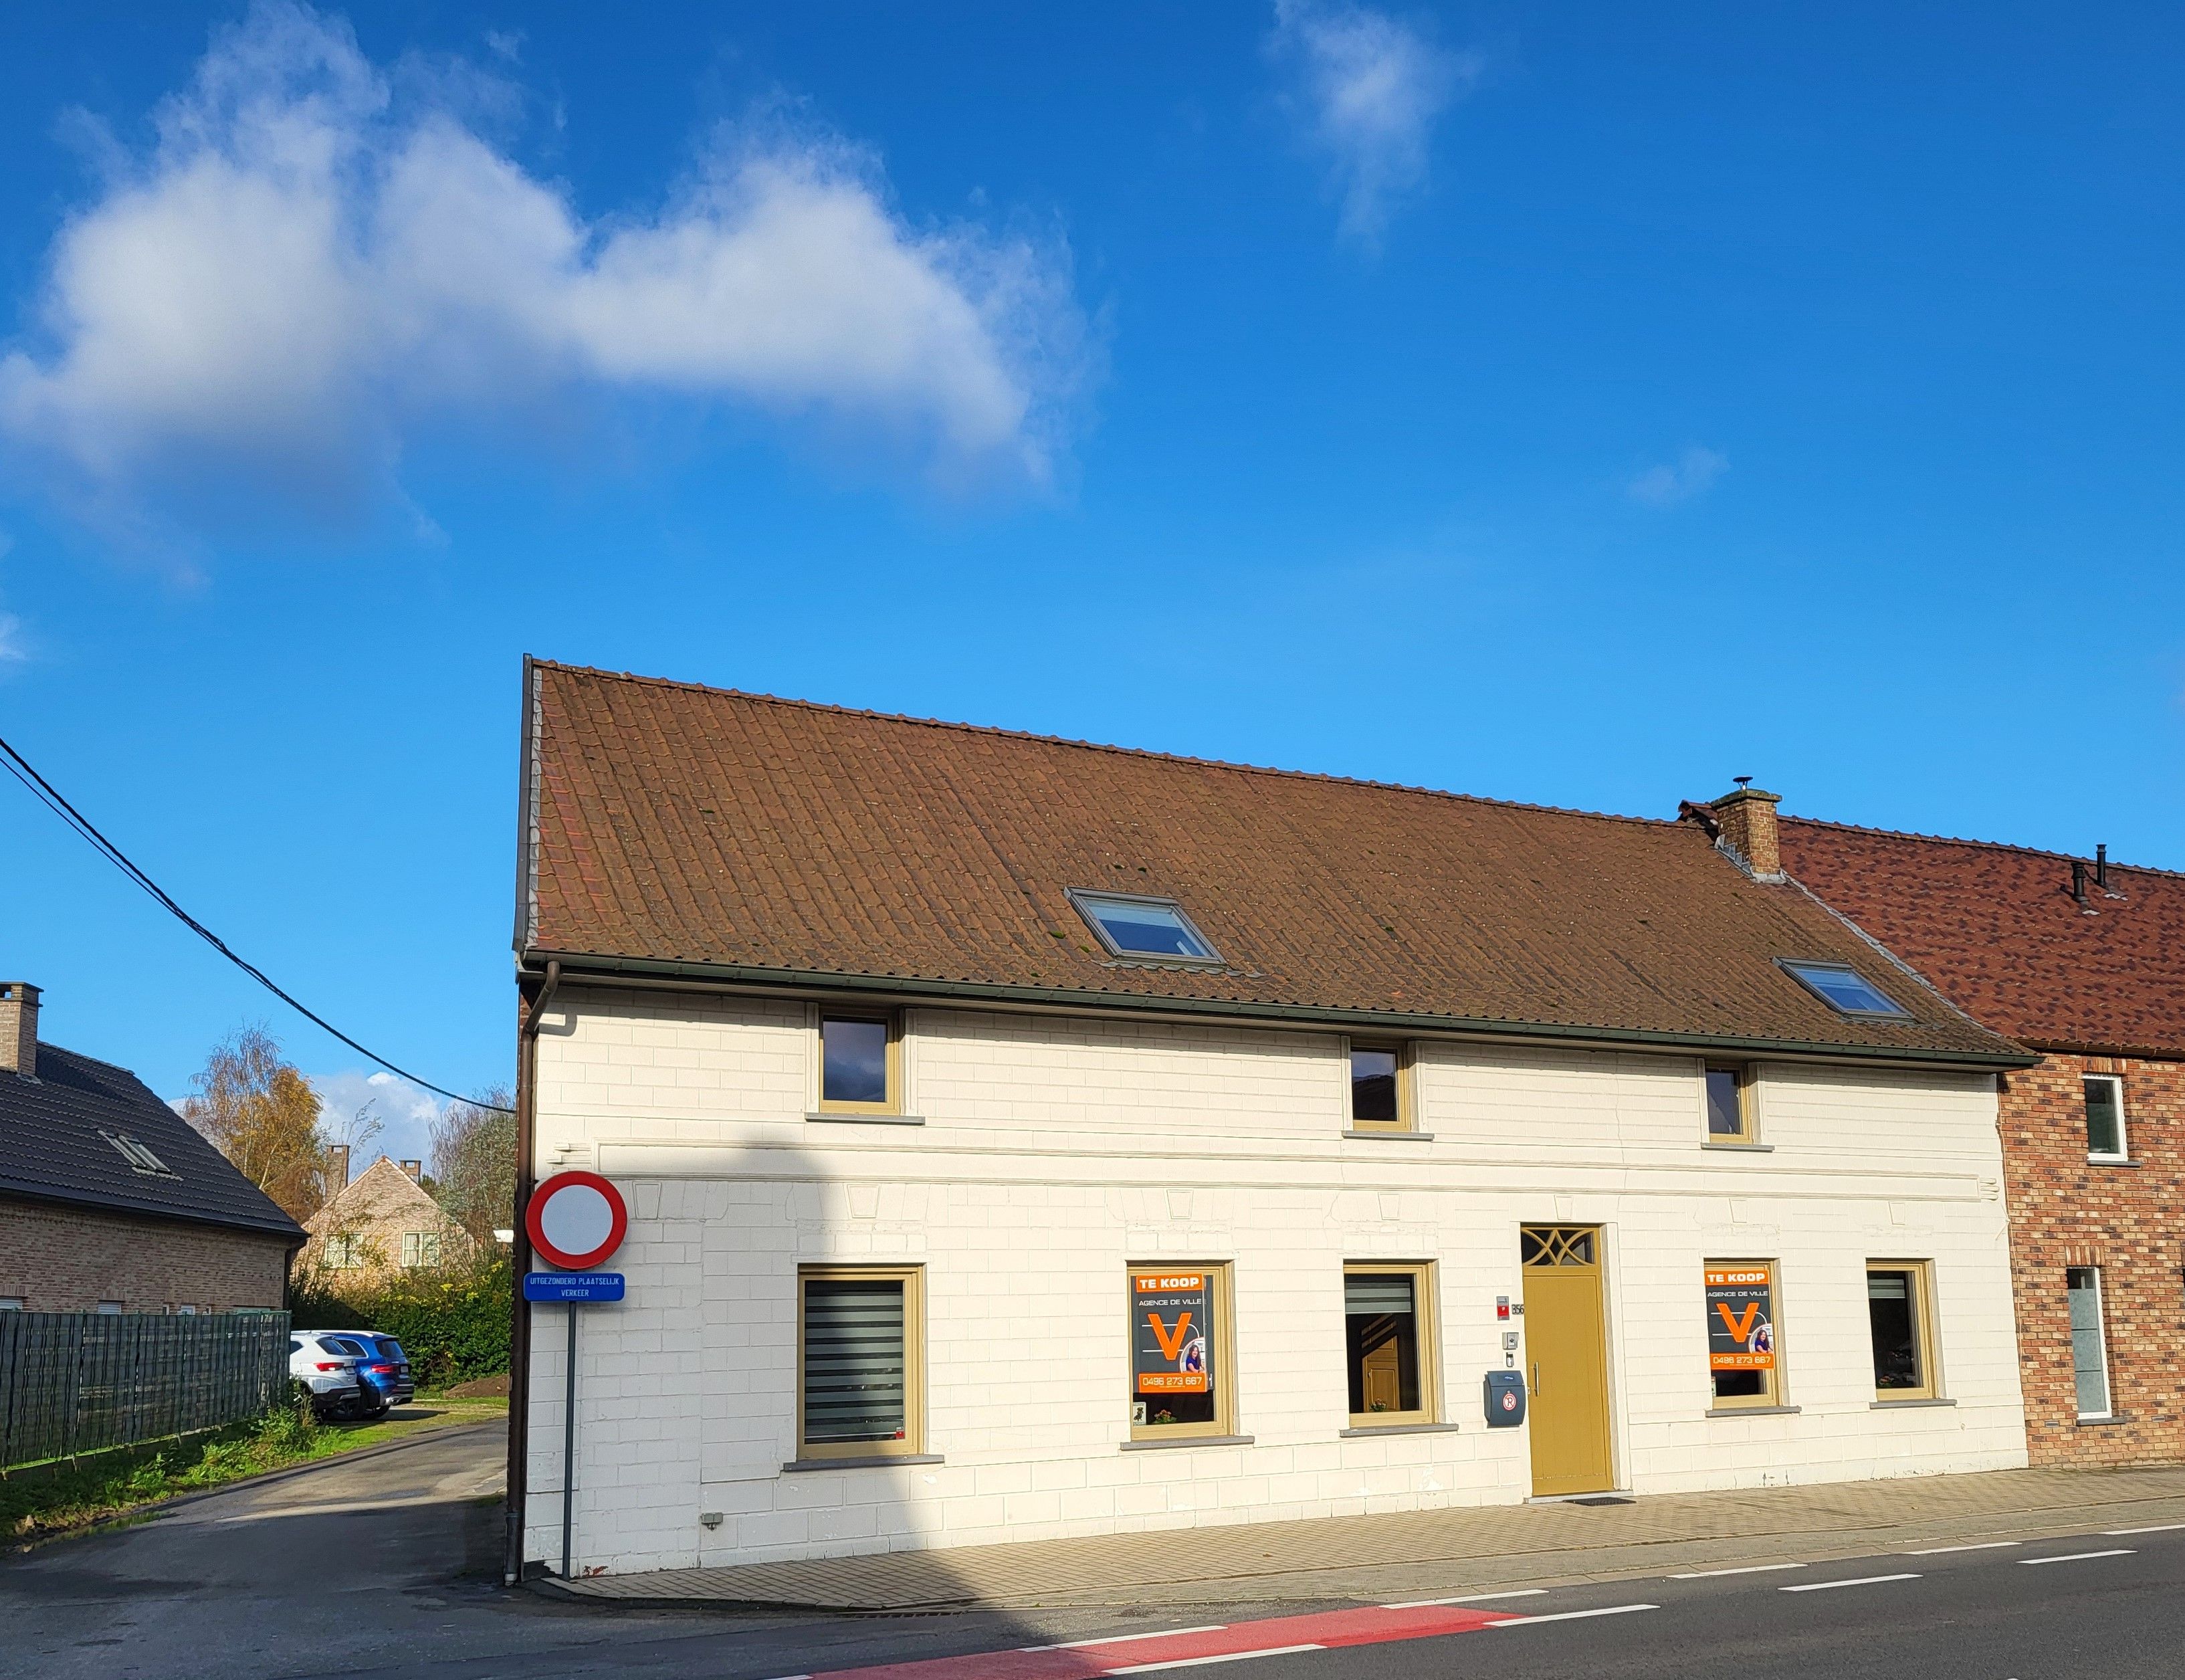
(1505, 1398)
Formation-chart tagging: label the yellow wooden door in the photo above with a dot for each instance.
(1566, 1355)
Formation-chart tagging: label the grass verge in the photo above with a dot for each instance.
(39, 1501)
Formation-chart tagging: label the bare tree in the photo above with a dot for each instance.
(474, 1163)
(261, 1113)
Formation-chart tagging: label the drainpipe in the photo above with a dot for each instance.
(519, 1342)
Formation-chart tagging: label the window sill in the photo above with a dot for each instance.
(1357, 1430)
(1400, 1136)
(1753, 1411)
(1188, 1441)
(2113, 1161)
(1740, 1149)
(1918, 1400)
(2107, 1422)
(875, 1462)
(868, 1119)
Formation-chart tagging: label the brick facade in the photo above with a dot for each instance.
(57, 1259)
(2068, 1211)
(375, 1211)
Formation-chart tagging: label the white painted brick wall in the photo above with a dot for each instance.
(1055, 1152)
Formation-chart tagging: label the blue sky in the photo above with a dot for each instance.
(1568, 403)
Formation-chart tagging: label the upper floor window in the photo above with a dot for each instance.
(860, 1062)
(1130, 926)
(1380, 1097)
(140, 1159)
(344, 1251)
(1729, 1103)
(2104, 1117)
(1843, 989)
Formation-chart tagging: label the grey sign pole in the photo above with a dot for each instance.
(569, 1445)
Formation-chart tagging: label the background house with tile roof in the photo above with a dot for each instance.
(377, 1223)
(2083, 960)
(109, 1201)
(1398, 1095)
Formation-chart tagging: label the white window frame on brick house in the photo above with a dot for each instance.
(420, 1249)
(2098, 1333)
(2123, 1150)
(340, 1252)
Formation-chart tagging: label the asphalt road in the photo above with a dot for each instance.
(390, 1567)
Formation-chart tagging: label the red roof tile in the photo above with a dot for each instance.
(683, 825)
(1996, 928)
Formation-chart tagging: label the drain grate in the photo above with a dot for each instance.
(1603, 1499)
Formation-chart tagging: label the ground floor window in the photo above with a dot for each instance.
(2090, 1355)
(420, 1248)
(1183, 1376)
(1900, 1320)
(1387, 1319)
(860, 1379)
(1742, 1335)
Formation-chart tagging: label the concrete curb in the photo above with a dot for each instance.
(263, 1478)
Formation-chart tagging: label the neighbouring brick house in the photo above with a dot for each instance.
(110, 1201)
(1025, 1138)
(380, 1223)
(2084, 960)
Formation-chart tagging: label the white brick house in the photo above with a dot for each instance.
(925, 1170)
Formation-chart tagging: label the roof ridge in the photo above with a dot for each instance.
(1005, 733)
(45, 1045)
(1984, 844)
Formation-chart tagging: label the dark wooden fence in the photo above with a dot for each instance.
(73, 1382)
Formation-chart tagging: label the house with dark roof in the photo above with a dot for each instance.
(110, 1201)
(2083, 960)
(1024, 1137)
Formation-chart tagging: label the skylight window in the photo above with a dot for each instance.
(139, 1158)
(1844, 990)
(1152, 928)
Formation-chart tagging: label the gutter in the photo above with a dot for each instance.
(529, 1013)
(641, 970)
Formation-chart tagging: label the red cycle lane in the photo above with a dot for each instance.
(1187, 1647)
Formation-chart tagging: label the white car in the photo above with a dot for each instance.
(334, 1373)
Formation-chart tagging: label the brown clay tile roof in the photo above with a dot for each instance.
(679, 825)
(1997, 929)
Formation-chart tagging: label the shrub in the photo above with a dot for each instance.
(452, 1321)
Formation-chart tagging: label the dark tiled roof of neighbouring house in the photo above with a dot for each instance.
(671, 825)
(1996, 927)
(52, 1147)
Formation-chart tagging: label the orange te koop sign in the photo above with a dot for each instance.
(1172, 1313)
(1740, 1319)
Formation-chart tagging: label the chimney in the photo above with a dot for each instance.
(415, 1168)
(1748, 827)
(337, 1168)
(19, 1028)
(2079, 881)
(2102, 867)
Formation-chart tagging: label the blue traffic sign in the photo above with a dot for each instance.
(572, 1286)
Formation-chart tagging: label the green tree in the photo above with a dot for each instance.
(473, 1176)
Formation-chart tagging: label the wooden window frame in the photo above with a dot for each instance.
(1223, 1424)
(1922, 1274)
(1770, 1397)
(2102, 1156)
(1407, 1107)
(1425, 1306)
(913, 1444)
(892, 1101)
(1748, 1103)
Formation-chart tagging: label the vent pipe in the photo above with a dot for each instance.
(2079, 880)
(2102, 867)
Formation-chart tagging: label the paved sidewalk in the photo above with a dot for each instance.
(1421, 1554)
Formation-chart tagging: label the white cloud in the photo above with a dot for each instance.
(1373, 87)
(317, 256)
(405, 1112)
(12, 646)
(1691, 474)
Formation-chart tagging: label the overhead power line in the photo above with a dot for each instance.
(48, 796)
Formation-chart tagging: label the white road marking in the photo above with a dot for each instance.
(1230, 1656)
(1863, 1580)
(1572, 1615)
(2081, 1557)
(2159, 1528)
(1748, 1569)
(1469, 1598)
(1126, 1639)
(1976, 1546)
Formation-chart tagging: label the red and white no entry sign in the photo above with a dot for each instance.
(576, 1220)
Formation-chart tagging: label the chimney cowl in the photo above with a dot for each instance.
(1747, 818)
(19, 1028)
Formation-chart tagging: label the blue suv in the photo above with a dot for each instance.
(385, 1368)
